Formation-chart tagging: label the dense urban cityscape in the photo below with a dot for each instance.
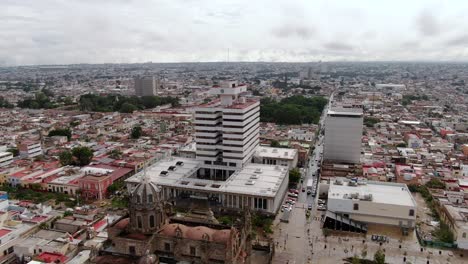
(234, 163)
(234, 131)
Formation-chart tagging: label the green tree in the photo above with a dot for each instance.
(444, 233)
(435, 183)
(61, 132)
(275, 144)
(68, 100)
(82, 155)
(14, 151)
(379, 257)
(137, 132)
(4, 103)
(128, 108)
(66, 158)
(115, 154)
(294, 175)
(355, 260)
(67, 213)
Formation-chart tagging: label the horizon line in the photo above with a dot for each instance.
(233, 62)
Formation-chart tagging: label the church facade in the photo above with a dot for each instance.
(148, 234)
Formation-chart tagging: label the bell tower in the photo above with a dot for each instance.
(146, 209)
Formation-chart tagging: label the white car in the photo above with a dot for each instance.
(321, 208)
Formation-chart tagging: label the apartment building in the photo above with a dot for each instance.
(5, 158)
(343, 132)
(146, 86)
(30, 149)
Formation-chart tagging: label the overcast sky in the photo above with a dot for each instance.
(99, 31)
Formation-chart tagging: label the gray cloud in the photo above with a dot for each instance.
(87, 31)
(294, 31)
(427, 23)
(458, 41)
(338, 46)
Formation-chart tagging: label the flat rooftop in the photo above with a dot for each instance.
(276, 153)
(382, 192)
(253, 179)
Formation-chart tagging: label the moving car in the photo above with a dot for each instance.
(309, 207)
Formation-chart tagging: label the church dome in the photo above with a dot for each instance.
(146, 192)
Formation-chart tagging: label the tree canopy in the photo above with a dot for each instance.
(123, 104)
(39, 101)
(4, 103)
(79, 156)
(137, 132)
(61, 132)
(294, 175)
(379, 257)
(293, 110)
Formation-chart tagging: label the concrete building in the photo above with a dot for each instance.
(456, 216)
(227, 129)
(30, 149)
(343, 132)
(257, 186)
(146, 86)
(276, 156)
(227, 137)
(301, 134)
(367, 202)
(5, 158)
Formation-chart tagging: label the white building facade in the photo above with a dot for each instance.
(5, 158)
(227, 129)
(373, 202)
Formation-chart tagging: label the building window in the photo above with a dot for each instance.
(151, 220)
(140, 224)
(411, 212)
(131, 250)
(193, 251)
(167, 247)
(150, 198)
(355, 207)
(464, 235)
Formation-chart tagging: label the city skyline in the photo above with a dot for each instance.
(71, 32)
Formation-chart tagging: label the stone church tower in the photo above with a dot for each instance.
(146, 208)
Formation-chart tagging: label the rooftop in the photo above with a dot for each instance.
(381, 192)
(276, 153)
(253, 179)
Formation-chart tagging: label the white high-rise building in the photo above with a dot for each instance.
(227, 129)
(343, 132)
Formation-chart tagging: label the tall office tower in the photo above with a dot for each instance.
(343, 132)
(146, 86)
(227, 129)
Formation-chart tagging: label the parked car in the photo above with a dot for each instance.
(303, 189)
(320, 201)
(321, 208)
(292, 195)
